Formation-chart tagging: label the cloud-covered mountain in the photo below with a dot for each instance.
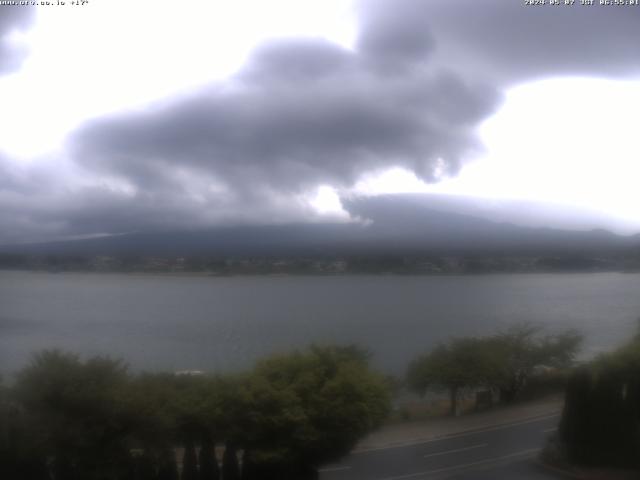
(394, 225)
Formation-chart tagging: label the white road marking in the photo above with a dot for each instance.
(456, 435)
(333, 469)
(466, 465)
(456, 450)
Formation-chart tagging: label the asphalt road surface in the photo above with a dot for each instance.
(499, 452)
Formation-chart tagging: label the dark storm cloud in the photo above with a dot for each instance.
(512, 42)
(39, 204)
(32, 206)
(293, 132)
(306, 112)
(12, 18)
(296, 61)
(394, 36)
(301, 113)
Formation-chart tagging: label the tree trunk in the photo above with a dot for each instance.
(144, 467)
(189, 462)
(453, 393)
(167, 467)
(230, 467)
(209, 469)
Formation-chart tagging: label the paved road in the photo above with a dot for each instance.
(498, 452)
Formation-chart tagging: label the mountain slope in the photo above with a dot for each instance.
(399, 227)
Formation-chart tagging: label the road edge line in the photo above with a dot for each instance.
(461, 433)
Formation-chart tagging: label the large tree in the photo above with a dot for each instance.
(94, 420)
(21, 453)
(522, 348)
(79, 411)
(502, 362)
(459, 364)
(308, 408)
(600, 422)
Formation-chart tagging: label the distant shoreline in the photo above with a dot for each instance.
(196, 274)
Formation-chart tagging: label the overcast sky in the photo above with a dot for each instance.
(120, 116)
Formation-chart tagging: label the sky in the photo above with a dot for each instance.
(120, 116)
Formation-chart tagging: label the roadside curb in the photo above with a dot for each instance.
(470, 431)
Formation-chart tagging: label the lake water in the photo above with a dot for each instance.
(224, 324)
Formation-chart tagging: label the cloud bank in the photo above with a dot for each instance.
(12, 19)
(304, 112)
(511, 42)
(301, 113)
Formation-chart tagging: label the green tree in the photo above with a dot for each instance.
(460, 364)
(94, 421)
(175, 409)
(522, 348)
(502, 362)
(78, 408)
(600, 422)
(21, 454)
(153, 399)
(308, 408)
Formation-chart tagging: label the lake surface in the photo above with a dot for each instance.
(225, 324)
